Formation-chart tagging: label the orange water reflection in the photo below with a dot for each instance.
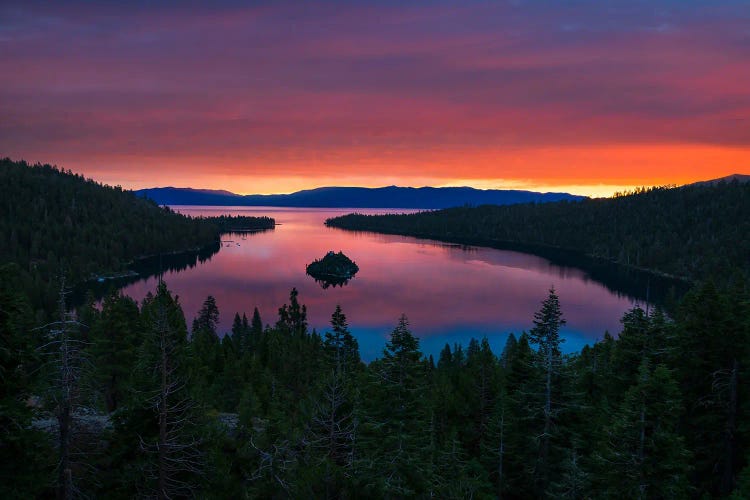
(448, 292)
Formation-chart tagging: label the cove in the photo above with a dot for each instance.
(449, 292)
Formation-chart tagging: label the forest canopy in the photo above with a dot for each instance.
(56, 224)
(694, 232)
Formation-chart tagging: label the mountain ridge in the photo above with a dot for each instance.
(741, 178)
(356, 197)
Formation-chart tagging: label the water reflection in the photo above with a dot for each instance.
(330, 281)
(449, 292)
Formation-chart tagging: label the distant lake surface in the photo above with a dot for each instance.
(450, 293)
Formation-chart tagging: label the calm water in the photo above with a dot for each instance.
(449, 293)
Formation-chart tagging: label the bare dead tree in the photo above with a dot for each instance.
(66, 362)
(333, 430)
(179, 460)
(333, 423)
(275, 463)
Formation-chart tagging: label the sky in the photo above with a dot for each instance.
(585, 96)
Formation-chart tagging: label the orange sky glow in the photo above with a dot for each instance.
(590, 98)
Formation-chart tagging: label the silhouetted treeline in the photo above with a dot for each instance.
(240, 223)
(54, 223)
(279, 411)
(695, 232)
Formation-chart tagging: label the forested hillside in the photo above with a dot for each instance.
(695, 232)
(55, 224)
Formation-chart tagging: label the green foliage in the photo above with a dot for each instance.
(335, 269)
(115, 337)
(658, 411)
(240, 223)
(643, 455)
(546, 336)
(25, 469)
(712, 365)
(394, 447)
(55, 223)
(310, 420)
(340, 345)
(333, 264)
(696, 231)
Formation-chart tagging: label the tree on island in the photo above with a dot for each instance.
(335, 269)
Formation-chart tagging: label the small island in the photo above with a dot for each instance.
(333, 269)
(241, 223)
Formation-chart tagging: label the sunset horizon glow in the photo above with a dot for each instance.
(590, 98)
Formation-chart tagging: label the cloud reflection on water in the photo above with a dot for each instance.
(450, 293)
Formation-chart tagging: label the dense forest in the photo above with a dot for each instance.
(125, 400)
(54, 223)
(121, 399)
(692, 232)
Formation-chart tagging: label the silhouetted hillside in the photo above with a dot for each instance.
(696, 231)
(55, 223)
(355, 197)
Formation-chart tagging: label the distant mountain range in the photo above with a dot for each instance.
(355, 197)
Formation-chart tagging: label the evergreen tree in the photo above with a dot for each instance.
(482, 368)
(644, 456)
(114, 344)
(332, 435)
(24, 464)
(643, 336)
(546, 336)
(256, 327)
(510, 448)
(65, 351)
(711, 363)
(169, 435)
(293, 317)
(458, 476)
(206, 352)
(395, 441)
(240, 334)
(340, 345)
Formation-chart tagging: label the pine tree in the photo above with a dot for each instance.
(711, 363)
(332, 435)
(643, 336)
(456, 475)
(482, 370)
(67, 364)
(509, 351)
(240, 334)
(114, 344)
(206, 352)
(644, 456)
(340, 345)
(256, 326)
(393, 450)
(25, 465)
(333, 427)
(546, 336)
(510, 448)
(171, 439)
(293, 317)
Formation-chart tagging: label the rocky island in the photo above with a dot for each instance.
(333, 269)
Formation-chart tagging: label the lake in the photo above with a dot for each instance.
(450, 293)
